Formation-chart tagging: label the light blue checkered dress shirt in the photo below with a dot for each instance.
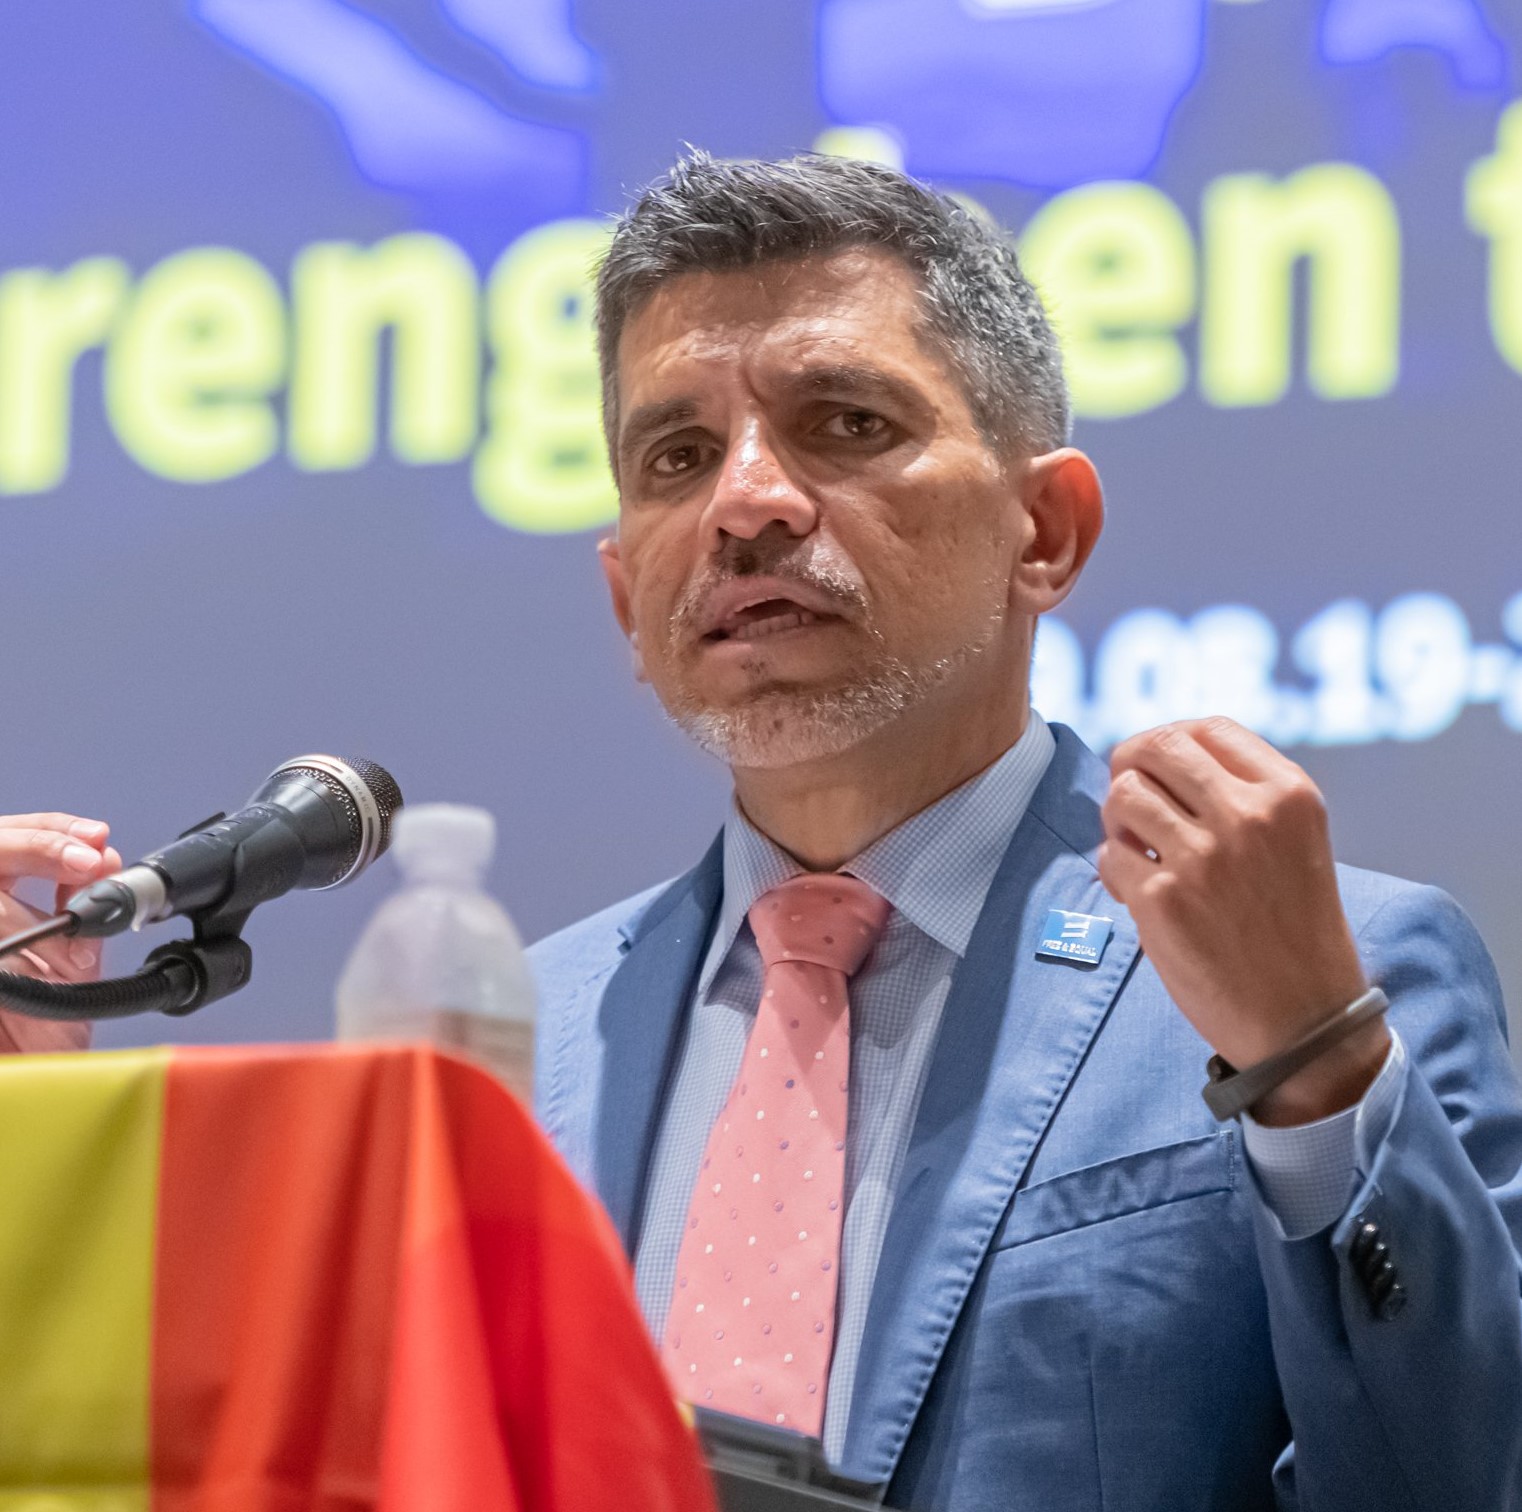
(935, 869)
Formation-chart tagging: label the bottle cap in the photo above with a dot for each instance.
(430, 839)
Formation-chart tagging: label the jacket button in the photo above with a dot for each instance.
(1365, 1237)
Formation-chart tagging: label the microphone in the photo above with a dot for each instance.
(315, 822)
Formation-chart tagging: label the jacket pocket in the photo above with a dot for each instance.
(1132, 1183)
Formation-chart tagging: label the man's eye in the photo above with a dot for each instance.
(857, 425)
(677, 459)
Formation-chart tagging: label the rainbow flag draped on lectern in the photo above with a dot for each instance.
(257, 1281)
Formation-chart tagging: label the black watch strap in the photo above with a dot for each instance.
(1230, 1093)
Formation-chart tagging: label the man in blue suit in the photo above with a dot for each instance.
(1050, 1277)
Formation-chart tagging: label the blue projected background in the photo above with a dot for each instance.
(298, 431)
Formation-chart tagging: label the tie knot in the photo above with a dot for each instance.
(828, 918)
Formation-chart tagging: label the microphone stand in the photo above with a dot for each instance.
(176, 979)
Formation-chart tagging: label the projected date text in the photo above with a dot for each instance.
(1350, 675)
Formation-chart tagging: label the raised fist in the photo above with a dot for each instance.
(1218, 845)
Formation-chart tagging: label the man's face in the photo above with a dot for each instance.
(813, 536)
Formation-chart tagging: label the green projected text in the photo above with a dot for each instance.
(212, 366)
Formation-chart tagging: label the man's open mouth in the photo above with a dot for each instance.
(769, 617)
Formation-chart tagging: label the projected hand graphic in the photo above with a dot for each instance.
(533, 37)
(1051, 93)
(1043, 92)
(1362, 31)
(409, 124)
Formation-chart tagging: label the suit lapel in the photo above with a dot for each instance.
(640, 1022)
(1014, 1031)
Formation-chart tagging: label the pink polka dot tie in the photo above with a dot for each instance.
(752, 1316)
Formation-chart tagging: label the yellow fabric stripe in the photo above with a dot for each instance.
(79, 1166)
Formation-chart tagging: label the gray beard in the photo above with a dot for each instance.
(783, 728)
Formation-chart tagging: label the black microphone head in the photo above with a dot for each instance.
(359, 795)
(383, 789)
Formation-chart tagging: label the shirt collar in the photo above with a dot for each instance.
(935, 868)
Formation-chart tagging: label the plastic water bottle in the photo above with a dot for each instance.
(441, 960)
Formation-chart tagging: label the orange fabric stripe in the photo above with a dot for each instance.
(280, 1205)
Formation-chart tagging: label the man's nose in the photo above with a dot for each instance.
(753, 491)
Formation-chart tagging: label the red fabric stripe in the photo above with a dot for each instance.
(378, 1288)
(280, 1206)
(518, 1279)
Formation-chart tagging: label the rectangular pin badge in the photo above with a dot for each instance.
(1079, 939)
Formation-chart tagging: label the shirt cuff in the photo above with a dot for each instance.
(1307, 1173)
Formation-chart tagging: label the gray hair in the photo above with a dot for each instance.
(712, 215)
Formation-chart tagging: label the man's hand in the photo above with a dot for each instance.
(70, 853)
(1218, 845)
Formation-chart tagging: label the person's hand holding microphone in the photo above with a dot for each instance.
(70, 853)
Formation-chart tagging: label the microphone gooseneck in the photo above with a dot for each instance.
(175, 979)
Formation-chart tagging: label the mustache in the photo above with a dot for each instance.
(826, 573)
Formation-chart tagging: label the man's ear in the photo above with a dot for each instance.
(618, 591)
(1064, 503)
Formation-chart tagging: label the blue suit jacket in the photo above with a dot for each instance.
(1082, 1300)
